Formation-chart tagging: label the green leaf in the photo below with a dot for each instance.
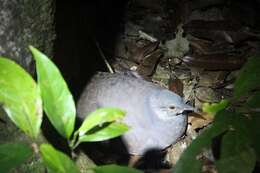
(236, 154)
(110, 131)
(12, 155)
(249, 77)
(236, 145)
(57, 99)
(254, 100)
(188, 161)
(213, 108)
(99, 117)
(115, 169)
(20, 97)
(57, 161)
(255, 132)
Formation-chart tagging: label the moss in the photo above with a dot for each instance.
(26, 22)
(34, 165)
(23, 23)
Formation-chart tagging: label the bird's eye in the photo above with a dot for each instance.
(172, 107)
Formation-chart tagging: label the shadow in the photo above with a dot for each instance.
(153, 159)
(114, 151)
(78, 25)
(104, 152)
(53, 137)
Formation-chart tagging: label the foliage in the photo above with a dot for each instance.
(213, 108)
(22, 98)
(108, 115)
(12, 154)
(249, 78)
(235, 126)
(57, 161)
(58, 102)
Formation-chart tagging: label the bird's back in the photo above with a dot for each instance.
(121, 90)
(132, 94)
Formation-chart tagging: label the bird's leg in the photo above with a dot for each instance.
(133, 160)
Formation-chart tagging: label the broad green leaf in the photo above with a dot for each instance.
(236, 154)
(188, 161)
(213, 108)
(249, 77)
(115, 169)
(99, 117)
(254, 100)
(20, 97)
(57, 99)
(110, 131)
(243, 162)
(57, 161)
(255, 132)
(12, 155)
(224, 122)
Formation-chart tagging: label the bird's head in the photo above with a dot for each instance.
(167, 105)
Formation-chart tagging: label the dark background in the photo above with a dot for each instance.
(78, 24)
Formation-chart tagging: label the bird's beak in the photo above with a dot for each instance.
(189, 108)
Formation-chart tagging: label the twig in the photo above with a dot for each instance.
(145, 36)
(110, 69)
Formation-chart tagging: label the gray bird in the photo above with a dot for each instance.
(156, 116)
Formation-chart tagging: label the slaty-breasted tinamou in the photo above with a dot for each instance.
(156, 116)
